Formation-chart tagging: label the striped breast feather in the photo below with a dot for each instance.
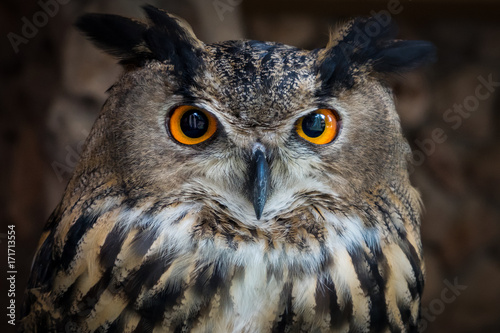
(87, 262)
(184, 267)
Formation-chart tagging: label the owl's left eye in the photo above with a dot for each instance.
(319, 127)
(191, 125)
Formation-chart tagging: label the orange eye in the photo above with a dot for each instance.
(191, 125)
(319, 127)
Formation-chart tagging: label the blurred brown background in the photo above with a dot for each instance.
(52, 88)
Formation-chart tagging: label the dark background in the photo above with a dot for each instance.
(52, 89)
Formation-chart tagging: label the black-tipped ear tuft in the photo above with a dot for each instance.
(167, 39)
(117, 35)
(368, 44)
(401, 56)
(170, 38)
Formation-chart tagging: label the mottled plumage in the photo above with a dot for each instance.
(153, 235)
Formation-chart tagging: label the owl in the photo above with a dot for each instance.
(240, 186)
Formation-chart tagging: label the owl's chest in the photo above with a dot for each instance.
(329, 286)
(181, 279)
(261, 294)
(311, 281)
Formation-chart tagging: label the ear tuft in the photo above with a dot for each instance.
(171, 38)
(367, 44)
(116, 35)
(167, 38)
(400, 56)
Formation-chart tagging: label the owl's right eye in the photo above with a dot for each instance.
(191, 125)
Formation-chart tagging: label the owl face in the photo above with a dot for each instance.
(255, 129)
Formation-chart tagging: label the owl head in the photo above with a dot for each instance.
(254, 130)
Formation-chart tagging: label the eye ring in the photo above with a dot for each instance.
(191, 125)
(319, 127)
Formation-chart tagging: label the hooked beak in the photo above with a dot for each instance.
(259, 180)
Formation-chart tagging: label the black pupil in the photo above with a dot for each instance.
(194, 124)
(313, 125)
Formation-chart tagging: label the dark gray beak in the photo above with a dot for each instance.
(259, 180)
